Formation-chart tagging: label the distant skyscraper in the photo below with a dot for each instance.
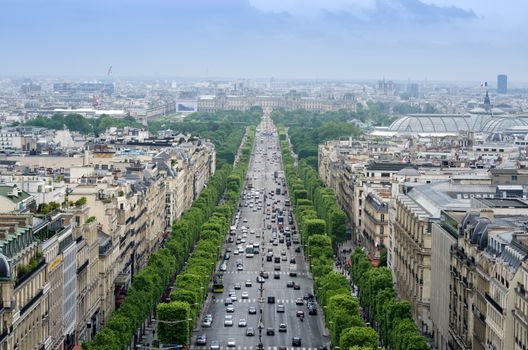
(502, 84)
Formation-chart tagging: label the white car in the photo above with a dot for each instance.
(240, 268)
(228, 320)
(231, 343)
(223, 267)
(242, 322)
(230, 308)
(245, 295)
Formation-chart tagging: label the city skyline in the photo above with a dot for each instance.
(347, 40)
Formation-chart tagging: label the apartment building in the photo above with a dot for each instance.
(487, 247)
(375, 222)
(24, 286)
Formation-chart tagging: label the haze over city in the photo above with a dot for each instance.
(448, 40)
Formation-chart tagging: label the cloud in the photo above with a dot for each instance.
(367, 11)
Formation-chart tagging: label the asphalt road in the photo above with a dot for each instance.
(264, 162)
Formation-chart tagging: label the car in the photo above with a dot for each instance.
(299, 301)
(227, 256)
(293, 274)
(309, 297)
(223, 267)
(231, 343)
(249, 283)
(276, 268)
(283, 252)
(271, 299)
(292, 261)
(244, 220)
(297, 286)
(236, 252)
(238, 286)
(245, 295)
(299, 313)
(270, 331)
(252, 310)
(201, 340)
(282, 327)
(265, 274)
(283, 258)
(290, 284)
(228, 320)
(296, 341)
(250, 331)
(280, 308)
(206, 323)
(276, 275)
(260, 279)
(230, 308)
(240, 268)
(242, 322)
(230, 239)
(312, 308)
(215, 345)
(228, 301)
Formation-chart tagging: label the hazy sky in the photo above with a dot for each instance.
(347, 39)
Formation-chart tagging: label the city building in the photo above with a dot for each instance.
(502, 84)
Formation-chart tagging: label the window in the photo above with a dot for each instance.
(514, 177)
(382, 218)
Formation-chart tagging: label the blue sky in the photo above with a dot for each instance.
(458, 40)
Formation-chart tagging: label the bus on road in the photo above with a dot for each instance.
(218, 283)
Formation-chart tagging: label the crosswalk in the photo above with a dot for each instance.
(278, 301)
(251, 347)
(257, 272)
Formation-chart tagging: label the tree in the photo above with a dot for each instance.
(173, 323)
(314, 227)
(359, 336)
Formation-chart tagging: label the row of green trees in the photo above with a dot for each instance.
(78, 123)
(149, 284)
(322, 224)
(392, 316)
(192, 284)
(308, 129)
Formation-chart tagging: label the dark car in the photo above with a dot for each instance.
(290, 284)
(298, 249)
(292, 261)
(270, 331)
(297, 286)
(282, 327)
(293, 274)
(271, 300)
(296, 341)
(276, 275)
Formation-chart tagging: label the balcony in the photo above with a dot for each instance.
(32, 302)
(26, 272)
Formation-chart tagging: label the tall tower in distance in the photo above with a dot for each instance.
(502, 84)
